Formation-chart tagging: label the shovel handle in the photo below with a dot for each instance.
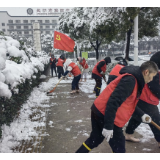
(156, 125)
(55, 86)
(153, 123)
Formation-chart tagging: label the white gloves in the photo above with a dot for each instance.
(107, 134)
(146, 118)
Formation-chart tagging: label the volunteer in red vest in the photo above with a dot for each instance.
(98, 72)
(85, 67)
(60, 63)
(53, 65)
(74, 69)
(116, 104)
(115, 71)
(148, 102)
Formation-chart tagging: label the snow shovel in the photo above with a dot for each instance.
(55, 86)
(154, 124)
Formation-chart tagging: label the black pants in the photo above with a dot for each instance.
(60, 71)
(117, 143)
(75, 82)
(98, 84)
(135, 121)
(53, 68)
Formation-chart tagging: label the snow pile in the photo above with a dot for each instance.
(12, 73)
(23, 128)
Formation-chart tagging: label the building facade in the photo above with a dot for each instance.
(22, 25)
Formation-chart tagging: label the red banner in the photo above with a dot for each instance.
(63, 42)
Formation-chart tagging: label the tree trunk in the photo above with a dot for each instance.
(97, 54)
(128, 43)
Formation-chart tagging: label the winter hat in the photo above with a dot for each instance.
(107, 60)
(156, 58)
(62, 56)
(67, 62)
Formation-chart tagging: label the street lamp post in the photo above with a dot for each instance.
(136, 40)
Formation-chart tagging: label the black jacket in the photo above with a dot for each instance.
(154, 85)
(53, 64)
(102, 63)
(120, 94)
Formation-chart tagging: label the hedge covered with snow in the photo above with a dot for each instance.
(20, 71)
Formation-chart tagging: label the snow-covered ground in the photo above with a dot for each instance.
(23, 128)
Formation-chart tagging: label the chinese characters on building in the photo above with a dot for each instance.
(50, 11)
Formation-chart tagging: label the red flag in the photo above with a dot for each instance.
(63, 42)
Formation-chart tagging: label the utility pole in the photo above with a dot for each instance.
(136, 41)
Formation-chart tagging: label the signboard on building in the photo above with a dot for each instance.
(37, 36)
(50, 11)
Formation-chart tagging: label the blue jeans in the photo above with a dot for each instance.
(75, 82)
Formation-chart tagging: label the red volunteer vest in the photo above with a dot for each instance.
(60, 62)
(116, 69)
(103, 68)
(84, 64)
(125, 111)
(75, 69)
(148, 96)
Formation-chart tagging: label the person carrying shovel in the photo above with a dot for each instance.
(148, 102)
(98, 72)
(74, 69)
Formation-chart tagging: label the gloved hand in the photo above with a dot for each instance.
(146, 118)
(107, 134)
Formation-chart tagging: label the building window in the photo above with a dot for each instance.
(25, 27)
(26, 32)
(19, 32)
(41, 27)
(10, 21)
(47, 32)
(53, 26)
(3, 24)
(3, 30)
(47, 27)
(40, 21)
(11, 27)
(18, 27)
(18, 21)
(54, 21)
(32, 21)
(46, 21)
(25, 21)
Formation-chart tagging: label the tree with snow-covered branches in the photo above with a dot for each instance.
(93, 24)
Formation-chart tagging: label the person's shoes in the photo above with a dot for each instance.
(72, 92)
(77, 91)
(131, 138)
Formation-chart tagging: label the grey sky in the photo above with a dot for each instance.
(21, 11)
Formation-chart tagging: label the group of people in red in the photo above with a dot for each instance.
(70, 67)
(131, 95)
